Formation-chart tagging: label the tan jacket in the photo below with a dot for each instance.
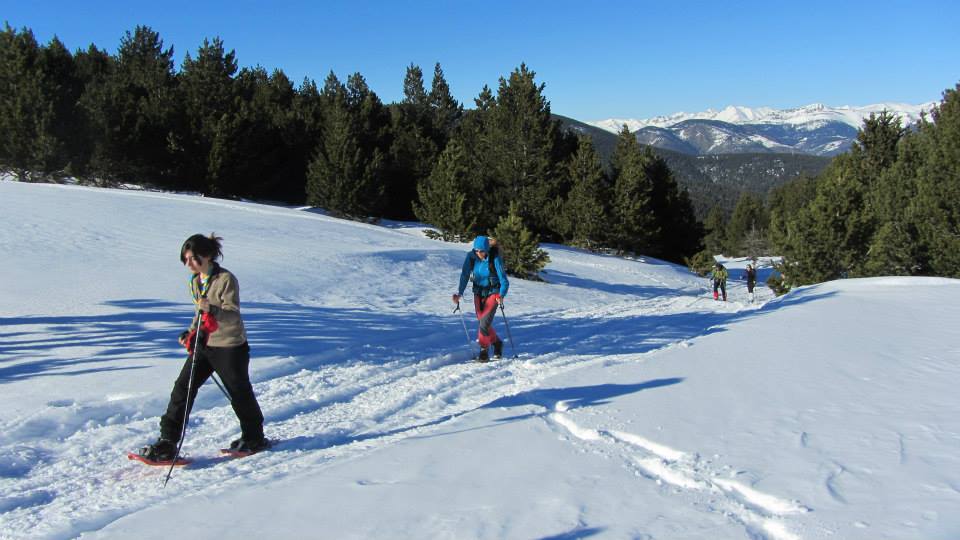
(223, 293)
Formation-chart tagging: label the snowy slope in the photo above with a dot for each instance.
(637, 408)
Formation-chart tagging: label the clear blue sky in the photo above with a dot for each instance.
(599, 59)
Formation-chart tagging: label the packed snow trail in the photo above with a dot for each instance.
(354, 343)
(318, 408)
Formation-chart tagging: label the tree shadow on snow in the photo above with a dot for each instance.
(593, 336)
(580, 531)
(797, 298)
(578, 396)
(34, 346)
(309, 336)
(572, 280)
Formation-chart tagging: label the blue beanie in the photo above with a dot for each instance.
(481, 243)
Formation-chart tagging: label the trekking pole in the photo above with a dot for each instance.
(220, 386)
(464, 321)
(509, 335)
(186, 410)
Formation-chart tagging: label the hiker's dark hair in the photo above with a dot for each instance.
(204, 246)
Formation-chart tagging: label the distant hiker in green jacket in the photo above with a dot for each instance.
(719, 281)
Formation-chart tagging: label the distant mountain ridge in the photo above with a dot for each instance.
(718, 179)
(815, 129)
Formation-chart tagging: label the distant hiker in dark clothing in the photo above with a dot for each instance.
(485, 267)
(719, 281)
(751, 280)
(221, 347)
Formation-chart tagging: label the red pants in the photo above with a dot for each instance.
(486, 308)
(722, 285)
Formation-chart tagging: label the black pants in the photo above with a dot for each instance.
(231, 364)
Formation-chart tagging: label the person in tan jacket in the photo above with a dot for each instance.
(218, 334)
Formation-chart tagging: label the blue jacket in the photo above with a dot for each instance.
(480, 270)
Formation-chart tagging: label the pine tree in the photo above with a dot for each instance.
(716, 232)
(814, 236)
(279, 134)
(92, 66)
(634, 224)
(308, 131)
(207, 96)
(519, 247)
(445, 198)
(132, 109)
(583, 221)
(892, 252)
(346, 175)
(875, 152)
(62, 89)
(831, 237)
(523, 155)
(827, 237)
(413, 152)
(23, 111)
(477, 177)
(255, 145)
(690, 231)
(715, 229)
(334, 167)
(749, 220)
(485, 101)
(40, 126)
(896, 247)
(447, 112)
(372, 124)
(784, 202)
(414, 94)
(877, 140)
(679, 233)
(936, 207)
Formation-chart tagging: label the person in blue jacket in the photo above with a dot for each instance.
(485, 267)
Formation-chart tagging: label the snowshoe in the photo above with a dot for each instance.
(161, 452)
(498, 349)
(483, 356)
(244, 448)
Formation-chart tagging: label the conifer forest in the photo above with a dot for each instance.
(501, 165)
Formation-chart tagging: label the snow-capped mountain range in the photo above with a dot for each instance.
(813, 129)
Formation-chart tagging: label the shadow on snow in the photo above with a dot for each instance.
(578, 396)
(309, 336)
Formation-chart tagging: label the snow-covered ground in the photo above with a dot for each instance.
(637, 407)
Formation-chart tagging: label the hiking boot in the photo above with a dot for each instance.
(484, 357)
(162, 450)
(498, 349)
(249, 447)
